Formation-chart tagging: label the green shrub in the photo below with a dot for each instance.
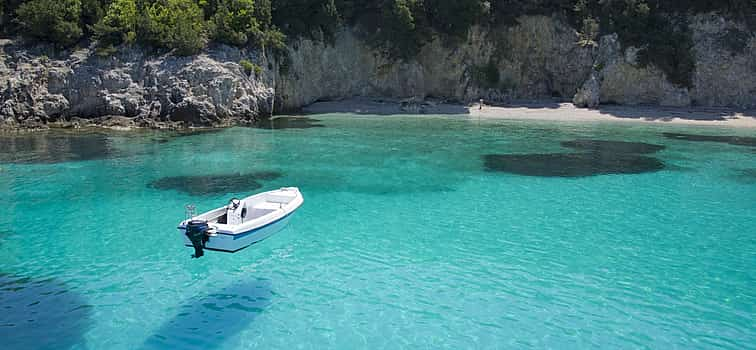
(56, 21)
(119, 24)
(453, 18)
(247, 65)
(309, 18)
(173, 24)
(250, 67)
(272, 38)
(234, 22)
(92, 12)
(105, 51)
(8, 14)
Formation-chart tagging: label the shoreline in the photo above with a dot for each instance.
(544, 111)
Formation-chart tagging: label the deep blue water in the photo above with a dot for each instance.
(416, 232)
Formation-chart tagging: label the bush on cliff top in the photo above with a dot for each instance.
(119, 24)
(56, 21)
(173, 24)
(234, 22)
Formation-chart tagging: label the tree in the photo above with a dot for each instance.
(92, 12)
(119, 24)
(234, 22)
(173, 24)
(310, 18)
(56, 21)
(453, 18)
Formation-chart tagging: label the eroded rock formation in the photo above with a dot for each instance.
(210, 89)
(539, 58)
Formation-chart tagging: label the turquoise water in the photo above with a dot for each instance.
(405, 240)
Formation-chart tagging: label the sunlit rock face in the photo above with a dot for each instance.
(732, 140)
(208, 89)
(535, 58)
(723, 74)
(278, 123)
(215, 184)
(41, 314)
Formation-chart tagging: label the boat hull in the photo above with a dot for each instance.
(231, 243)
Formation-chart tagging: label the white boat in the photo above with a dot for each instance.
(242, 222)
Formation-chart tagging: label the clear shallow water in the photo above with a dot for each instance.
(404, 241)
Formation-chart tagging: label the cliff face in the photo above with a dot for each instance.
(535, 59)
(207, 89)
(724, 75)
(538, 58)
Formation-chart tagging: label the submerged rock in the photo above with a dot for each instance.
(55, 148)
(278, 123)
(4, 233)
(571, 164)
(747, 176)
(613, 146)
(732, 140)
(41, 314)
(215, 184)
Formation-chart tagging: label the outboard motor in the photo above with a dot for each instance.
(196, 231)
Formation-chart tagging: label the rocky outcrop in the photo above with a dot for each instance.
(538, 58)
(588, 96)
(622, 80)
(724, 75)
(210, 89)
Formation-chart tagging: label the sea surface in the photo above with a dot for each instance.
(417, 232)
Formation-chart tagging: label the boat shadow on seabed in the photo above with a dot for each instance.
(210, 321)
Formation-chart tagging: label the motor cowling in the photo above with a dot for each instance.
(196, 231)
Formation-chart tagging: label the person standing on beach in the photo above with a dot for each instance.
(480, 105)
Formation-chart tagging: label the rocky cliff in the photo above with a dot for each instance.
(210, 89)
(537, 58)
(724, 74)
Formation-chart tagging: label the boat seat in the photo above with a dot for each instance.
(280, 198)
(268, 205)
(254, 213)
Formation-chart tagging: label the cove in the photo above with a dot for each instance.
(439, 231)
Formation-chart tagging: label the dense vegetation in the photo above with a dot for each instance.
(399, 27)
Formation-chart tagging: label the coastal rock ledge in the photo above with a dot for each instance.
(210, 89)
